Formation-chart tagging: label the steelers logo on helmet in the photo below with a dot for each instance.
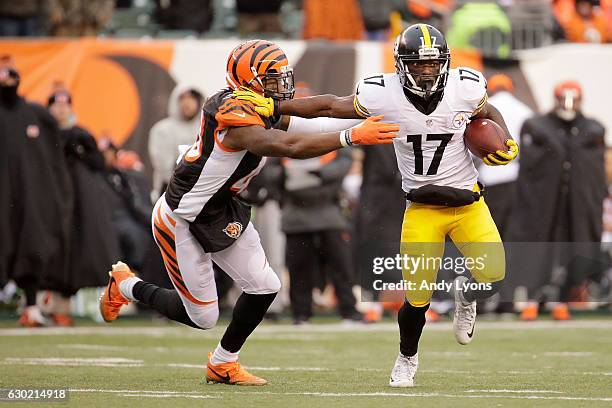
(422, 60)
(261, 66)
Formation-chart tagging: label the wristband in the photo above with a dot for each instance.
(345, 138)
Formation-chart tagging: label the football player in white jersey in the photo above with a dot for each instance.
(432, 104)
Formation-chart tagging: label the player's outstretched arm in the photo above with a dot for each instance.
(276, 143)
(321, 105)
(309, 107)
(500, 157)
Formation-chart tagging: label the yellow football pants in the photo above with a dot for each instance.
(471, 228)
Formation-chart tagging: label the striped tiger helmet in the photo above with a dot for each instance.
(261, 66)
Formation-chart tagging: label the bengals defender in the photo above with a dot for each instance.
(432, 103)
(199, 220)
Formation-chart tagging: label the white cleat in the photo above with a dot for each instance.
(404, 371)
(465, 314)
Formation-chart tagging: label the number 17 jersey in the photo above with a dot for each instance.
(429, 148)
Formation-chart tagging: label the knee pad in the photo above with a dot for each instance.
(267, 283)
(204, 317)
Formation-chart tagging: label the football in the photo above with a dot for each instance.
(483, 136)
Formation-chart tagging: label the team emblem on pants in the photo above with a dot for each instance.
(233, 230)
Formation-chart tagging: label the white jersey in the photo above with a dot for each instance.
(429, 148)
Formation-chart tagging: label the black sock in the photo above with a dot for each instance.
(473, 292)
(165, 301)
(248, 312)
(30, 290)
(411, 321)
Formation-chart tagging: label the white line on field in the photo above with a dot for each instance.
(56, 361)
(200, 366)
(567, 353)
(162, 395)
(519, 391)
(342, 394)
(397, 394)
(129, 391)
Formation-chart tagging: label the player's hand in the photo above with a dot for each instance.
(263, 106)
(371, 131)
(500, 157)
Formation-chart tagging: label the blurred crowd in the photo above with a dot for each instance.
(74, 204)
(514, 23)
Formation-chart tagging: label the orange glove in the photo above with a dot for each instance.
(369, 132)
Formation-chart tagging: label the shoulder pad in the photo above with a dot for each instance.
(370, 94)
(471, 86)
(236, 113)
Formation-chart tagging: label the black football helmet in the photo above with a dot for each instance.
(422, 61)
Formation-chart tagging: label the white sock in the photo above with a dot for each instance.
(126, 286)
(221, 356)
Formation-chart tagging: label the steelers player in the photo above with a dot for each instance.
(200, 219)
(432, 104)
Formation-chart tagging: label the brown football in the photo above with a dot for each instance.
(483, 136)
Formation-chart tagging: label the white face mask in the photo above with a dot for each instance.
(567, 108)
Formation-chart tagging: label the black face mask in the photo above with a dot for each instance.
(8, 94)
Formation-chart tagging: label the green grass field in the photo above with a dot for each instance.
(507, 365)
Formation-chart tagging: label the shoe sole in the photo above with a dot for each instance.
(243, 384)
(102, 300)
(402, 384)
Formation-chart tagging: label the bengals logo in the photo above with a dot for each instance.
(233, 230)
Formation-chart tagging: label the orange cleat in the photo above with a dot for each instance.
(32, 317)
(530, 312)
(112, 299)
(561, 312)
(62, 320)
(231, 373)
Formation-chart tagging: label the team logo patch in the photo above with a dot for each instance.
(459, 120)
(32, 131)
(233, 230)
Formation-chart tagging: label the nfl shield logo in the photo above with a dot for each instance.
(429, 123)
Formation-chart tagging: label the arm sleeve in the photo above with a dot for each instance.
(320, 125)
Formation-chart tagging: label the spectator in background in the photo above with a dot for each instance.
(432, 11)
(22, 18)
(256, 17)
(131, 213)
(607, 209)
(93, 243)
(181, 127)
(78, 18)
(560, 191)
(377, 18)
(333, 20)
(379, 214)
(195, 15)
(500, 182)
(585, 22)
(35, 237)
(317, 232)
